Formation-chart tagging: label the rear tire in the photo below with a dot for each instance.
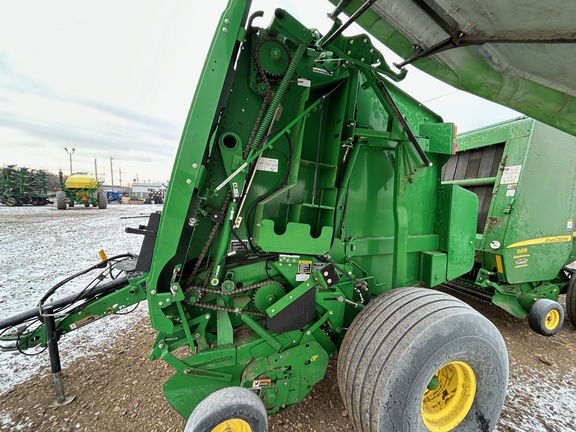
(61, 200)
(546, 317)
(102, 200)
(411, 347)
(231, 408)
(571, 300)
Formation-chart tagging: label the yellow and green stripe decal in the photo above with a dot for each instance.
(544, 240)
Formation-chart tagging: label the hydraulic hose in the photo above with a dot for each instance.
(103, 288)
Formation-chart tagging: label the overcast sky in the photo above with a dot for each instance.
(114, 79)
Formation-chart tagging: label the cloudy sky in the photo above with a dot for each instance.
(114, 79)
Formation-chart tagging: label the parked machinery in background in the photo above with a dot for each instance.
(81, 189)
(114, 196)
(524, 174)
(19, 186)
(154, 198)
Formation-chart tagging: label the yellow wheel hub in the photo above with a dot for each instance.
(552, 319)
(233, 425)
(449, 397)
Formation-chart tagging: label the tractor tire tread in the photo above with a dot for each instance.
(378, 340)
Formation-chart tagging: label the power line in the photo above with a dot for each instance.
(441, 96)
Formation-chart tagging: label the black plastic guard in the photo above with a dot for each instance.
(147, 248)
(296, 315)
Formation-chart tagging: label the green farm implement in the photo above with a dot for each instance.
(306, 217)
(524, 174)
(19, 186)
(80, 189)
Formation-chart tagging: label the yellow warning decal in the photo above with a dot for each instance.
(543, 240)
(261, 383)
(499, 264)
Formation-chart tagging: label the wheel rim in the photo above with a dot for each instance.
(449, 396)
(552, 319)
(233, 425)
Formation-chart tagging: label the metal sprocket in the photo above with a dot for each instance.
(273, 57)
(266, 296)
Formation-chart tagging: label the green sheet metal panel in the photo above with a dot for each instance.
(534, 78)
(529, 227)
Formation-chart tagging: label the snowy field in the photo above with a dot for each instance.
(40, 246)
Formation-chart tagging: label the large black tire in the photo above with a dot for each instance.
(102, 200)
(61, 200)
(571, 300)
(546, 317)
(236, 407)
(418, 359)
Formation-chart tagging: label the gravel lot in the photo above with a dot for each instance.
(116, 387)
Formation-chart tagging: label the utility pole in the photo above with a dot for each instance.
(95, 169)
(112, 173)
(70, 153)
(120, 172)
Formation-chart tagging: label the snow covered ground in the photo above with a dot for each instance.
(40, 246)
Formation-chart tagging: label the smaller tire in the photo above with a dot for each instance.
(61, 200)
(231, 408)
(86, 204)
(71, 203)
(102, 200)
(546, 317)
(571, 300)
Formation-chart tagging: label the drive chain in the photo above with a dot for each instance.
(236, 291)
(226, 309)
(207, 246)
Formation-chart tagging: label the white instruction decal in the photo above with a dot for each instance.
(267, 164)
(322, 71)
(511, 190)
(511, 174)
